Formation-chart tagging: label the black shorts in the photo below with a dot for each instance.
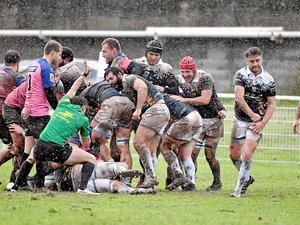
(34, 125)
(4, 132)
(49, 151)
(12, 115)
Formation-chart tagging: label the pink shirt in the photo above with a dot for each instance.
(17, 97)
(39, 76)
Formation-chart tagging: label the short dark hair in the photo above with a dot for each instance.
(112, 43)
(67, 53)
(105, 126)
(52, 46)
(78, 100)
(11, 57)
(115, 70)
(253, 51)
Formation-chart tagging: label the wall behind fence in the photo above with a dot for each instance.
(220, 57)
(137, 15)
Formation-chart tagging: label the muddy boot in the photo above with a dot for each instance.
(178, 181)
(149, 182)
(215, 186)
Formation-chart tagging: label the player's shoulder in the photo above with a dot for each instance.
(268, 76)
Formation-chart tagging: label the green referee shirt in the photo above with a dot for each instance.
(66, 121)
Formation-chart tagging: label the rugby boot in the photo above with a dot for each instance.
(168, 182)
(149, 182)
(141, 181)
(235, 194)
(188, 186)
(215, 186)
(176, 183)
(247, 184)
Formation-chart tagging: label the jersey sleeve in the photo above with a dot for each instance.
(19, 79)
(206, 82)
(272, 89)
(129, 80)
(47, 75)
(84, 131)
(239, 79)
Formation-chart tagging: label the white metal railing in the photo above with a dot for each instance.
(278, 142)
(273, 33)
(278, 97)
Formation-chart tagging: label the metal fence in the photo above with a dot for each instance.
(278, 142)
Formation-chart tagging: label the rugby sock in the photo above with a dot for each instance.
(170, 173)
(173, 163)
(42, 169)
(194, 158)
(243, 174)
(21, 178)
(24, 157)
(146, 159)
(237, 164)
(86, 172)
(16, 167)
(180, 163)
(189, 169)
(140, 161)
(124, 189)
(154, 161)
(215, 169)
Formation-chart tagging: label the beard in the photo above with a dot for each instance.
(119, 84)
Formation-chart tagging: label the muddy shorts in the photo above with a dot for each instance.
(34, 125)
(241, 131)
(48, 151)
(100, 185)
(12, 115)
(117, 108)
(156, 118)
(186, 128)
(213, 128)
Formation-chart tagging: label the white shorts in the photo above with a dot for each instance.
(241, 131)
(100, 185)
(213, 128)
(187, 127)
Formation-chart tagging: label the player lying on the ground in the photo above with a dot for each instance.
(105, 178)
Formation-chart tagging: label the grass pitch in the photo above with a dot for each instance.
(273, 199)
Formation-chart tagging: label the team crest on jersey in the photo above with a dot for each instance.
(32, 69)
